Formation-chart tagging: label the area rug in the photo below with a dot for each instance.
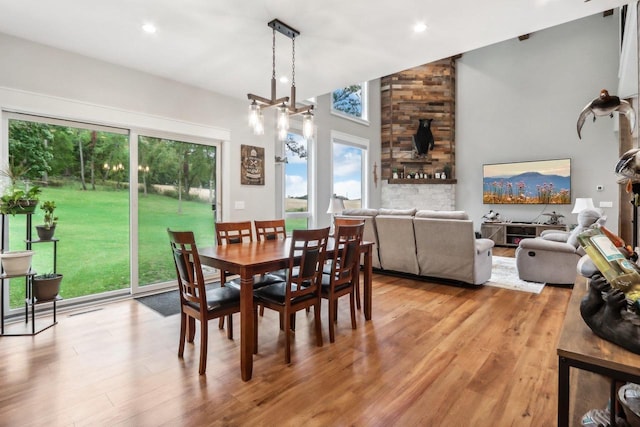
(166, 303)
(504, 274)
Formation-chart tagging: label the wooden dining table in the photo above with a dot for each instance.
(252, 258)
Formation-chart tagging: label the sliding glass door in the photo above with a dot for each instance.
(177, 190)
(111, 240)
(84, 169)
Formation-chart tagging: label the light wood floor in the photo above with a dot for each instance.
(433, 355)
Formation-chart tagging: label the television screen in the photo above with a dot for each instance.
(546, 182)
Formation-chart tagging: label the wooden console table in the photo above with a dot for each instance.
(578, 347)
(510, 233)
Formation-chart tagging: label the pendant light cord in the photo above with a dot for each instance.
(273, 56)
(293, 62)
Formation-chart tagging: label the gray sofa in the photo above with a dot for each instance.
(439, 244)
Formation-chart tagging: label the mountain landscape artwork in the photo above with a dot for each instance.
(535, 182)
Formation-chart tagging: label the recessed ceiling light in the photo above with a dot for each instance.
(420, 27)
(284, 79)
(149, 28)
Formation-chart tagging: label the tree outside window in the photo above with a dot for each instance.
(350, 101)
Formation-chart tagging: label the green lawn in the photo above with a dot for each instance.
(93, 229)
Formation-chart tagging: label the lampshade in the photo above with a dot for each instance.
(336, 205)
(582, 203)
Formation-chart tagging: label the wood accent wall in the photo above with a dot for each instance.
(424, 92)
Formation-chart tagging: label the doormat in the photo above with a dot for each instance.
(166, 303)
(504, 274)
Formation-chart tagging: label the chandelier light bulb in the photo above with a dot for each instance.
(283, 117)
(307, 125)
(258, 128)
(282, 134)
(254, 112)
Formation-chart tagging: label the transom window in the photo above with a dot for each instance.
(351, 102)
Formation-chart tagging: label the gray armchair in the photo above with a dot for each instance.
(553, 256)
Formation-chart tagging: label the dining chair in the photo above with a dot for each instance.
(198, 302)
(270, 229)
(302, 287)
(231, 233)
(345, 265)
(348, 221)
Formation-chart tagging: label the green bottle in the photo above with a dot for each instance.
(614, 266)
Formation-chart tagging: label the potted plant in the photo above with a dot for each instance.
(16, 200)
(446, 169)
(46, 231)
(15, 263)
(46, 287)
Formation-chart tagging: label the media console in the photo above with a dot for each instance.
(510, 233)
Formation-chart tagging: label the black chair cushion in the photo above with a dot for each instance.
(276, 293)
(259, 281)
(218, 298)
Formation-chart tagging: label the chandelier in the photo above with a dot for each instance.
(286, 105)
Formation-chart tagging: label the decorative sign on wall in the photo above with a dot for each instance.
(252, 167)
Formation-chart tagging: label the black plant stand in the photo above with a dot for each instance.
(30, 301)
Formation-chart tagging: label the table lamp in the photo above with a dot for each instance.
(336, 206)
(582, 203)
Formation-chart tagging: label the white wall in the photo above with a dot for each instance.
(41, 80)
(519, 101)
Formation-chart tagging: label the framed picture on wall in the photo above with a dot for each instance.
(252, 165)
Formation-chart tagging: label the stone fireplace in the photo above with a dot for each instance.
(419, 196)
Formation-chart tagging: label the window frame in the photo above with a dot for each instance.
(364, 118)
(296, 128)
(363, 144)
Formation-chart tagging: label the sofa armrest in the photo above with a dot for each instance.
(483, 245)
(546, 245)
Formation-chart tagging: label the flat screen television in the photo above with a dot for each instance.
(546, 182)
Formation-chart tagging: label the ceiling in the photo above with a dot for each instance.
(225, 45)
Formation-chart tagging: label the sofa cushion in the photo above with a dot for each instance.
(406, 212)
(396, 243)
(427, 213)
(360, 212)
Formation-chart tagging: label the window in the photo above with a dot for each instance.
(296, 182)
(176, 190)
(112, 240)
(349, 160)
(351, 102)
(84, 169)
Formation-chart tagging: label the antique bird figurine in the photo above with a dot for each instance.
(491, 216)
(605, 105)
(554, 218)
(628, 168)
